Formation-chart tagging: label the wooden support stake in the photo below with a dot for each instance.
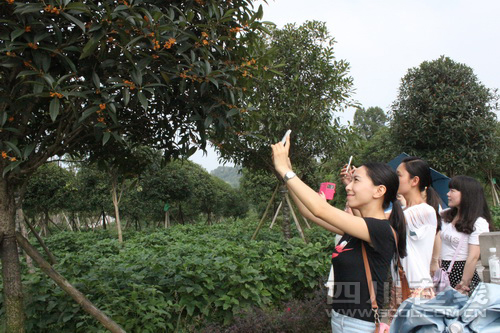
(297, 224)
(67, 221)
(1, 237)
(51, 257)
(67, 287)
(275, 215)
(265, 213)
(307, 223)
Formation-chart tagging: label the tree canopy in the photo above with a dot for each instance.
(159, 73)
(444, 114)
(308, 85)
(166, 74)
(369, 121)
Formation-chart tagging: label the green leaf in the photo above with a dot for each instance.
(13, 147)
(96, 80)
(28, 150)
(73, 19)
(10, 167)
(208, 69)
(76, 6)
(54, 108)
(105, 137)
(88, 112)
(16, 33)
(91, 45)
(3, 118)
(126, 96)
(143, 100)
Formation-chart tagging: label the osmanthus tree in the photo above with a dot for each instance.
(307, 86)
(444, 114)
(158, 73)
(123, 165)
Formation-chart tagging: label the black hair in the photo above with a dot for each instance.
(472, 204)
(382, 174)
(418, 167)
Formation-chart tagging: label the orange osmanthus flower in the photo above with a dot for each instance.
(55, 94)
(27, 28)
(102, 106)
(4, 154)
(33, 46)
(130, 84)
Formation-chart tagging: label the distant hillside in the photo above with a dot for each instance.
(228, 174)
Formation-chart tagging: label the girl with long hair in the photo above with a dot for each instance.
(422, 224)
(373, 187)
(467, 218)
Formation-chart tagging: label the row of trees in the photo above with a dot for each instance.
(81, 196)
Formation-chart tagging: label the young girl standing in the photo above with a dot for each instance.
(422, 222)
(373, 187)
(467, 218)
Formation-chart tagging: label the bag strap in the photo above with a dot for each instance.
(404, 282)
(369, 281)
(405, 287)
(456, 252)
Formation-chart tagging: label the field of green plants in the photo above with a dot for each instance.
(183, 278)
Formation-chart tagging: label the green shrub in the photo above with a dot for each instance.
(173, 278)
(495, 217)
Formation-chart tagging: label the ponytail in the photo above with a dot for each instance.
(434, 201)
(382, 174)
(397, 221)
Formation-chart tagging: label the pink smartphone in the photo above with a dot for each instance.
(328, 189)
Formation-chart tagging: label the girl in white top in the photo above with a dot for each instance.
(467, 218)
(422, 223)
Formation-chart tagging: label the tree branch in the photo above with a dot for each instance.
(68, 287)
(52, 259)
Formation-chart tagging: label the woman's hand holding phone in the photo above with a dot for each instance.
(346, 175)
(281, 160)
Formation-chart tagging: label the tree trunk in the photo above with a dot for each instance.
(167, 220)
(67, 287)
(11, 268)
(116, 202)
(45, 225)
(286, 212)
(103, 219)
(181, 216)
(24, 232)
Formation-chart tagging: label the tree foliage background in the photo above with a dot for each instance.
(301, 93)
(444, 114)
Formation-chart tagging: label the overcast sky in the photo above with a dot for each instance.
(383, 39)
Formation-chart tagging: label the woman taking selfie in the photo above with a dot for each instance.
(467, 218)
(373, 187)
